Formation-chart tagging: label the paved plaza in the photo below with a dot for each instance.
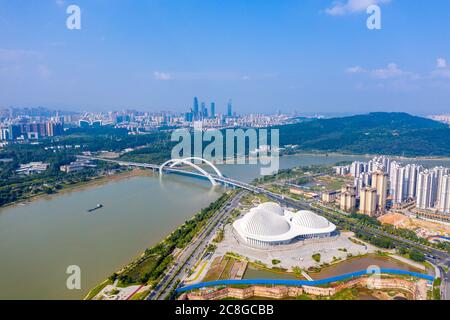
(297, 254)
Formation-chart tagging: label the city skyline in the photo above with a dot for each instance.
(224, 150)
(313, 56)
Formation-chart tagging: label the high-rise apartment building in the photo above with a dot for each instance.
(359, 184)
(397, 179)
(426, 190)
(444, 195)
(412, 174)
(403, 182)
(440, 172)
(368, 201)
(348, 198)
(356, 169)
(380, 183)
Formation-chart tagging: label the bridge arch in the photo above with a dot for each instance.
(188, 161)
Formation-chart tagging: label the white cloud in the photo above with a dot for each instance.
(391, 71)
(355, 69)
(205, 75)
(441, 63)
(396, 78)
(341, 7)
(442, 70)
(60, 3)
(162, 76)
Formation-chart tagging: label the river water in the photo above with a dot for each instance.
(39, 240)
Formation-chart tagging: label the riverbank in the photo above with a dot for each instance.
(139, 172)
(150, 266)
(80, 186)
(367, 155)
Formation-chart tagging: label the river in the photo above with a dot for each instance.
(40, 239)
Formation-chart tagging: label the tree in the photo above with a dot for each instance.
(416, 256)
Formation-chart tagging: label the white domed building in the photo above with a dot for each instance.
(268, 224)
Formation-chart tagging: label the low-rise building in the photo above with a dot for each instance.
(329, 196)
(32, 167)
(77, 165)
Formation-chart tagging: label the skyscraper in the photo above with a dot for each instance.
(195, 107)
(230, 109)
(426, 190)
(348, 198)
(368, 201)
(412, 171)
(397, 183)
(189, 116)
(379, 182)
(444, 195)
(203, 111)
(213, 110)
(382, 163)
(359, 184)
(367, 179)
(440, 172)
(403, 182)
(356, 169)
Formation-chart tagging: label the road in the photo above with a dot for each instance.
(433, 256)
(437, 257)
(192, 253)
(308, 206)
(445, 285)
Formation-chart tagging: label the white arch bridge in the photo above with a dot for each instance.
(188, 161)
(171, 167)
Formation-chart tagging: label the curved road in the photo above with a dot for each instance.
(434, 256)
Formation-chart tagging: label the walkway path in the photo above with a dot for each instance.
(298, 283)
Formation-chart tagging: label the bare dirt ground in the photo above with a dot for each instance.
(401, 221)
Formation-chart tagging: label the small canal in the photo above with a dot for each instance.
(344, 267)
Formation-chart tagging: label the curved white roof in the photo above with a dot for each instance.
(309, 219)
(271, 206)
(269, 222)
(260, 221)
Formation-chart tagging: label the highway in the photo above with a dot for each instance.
(192, 253)
(445, 285)
(434, 256)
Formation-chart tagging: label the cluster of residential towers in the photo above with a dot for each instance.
(380, 183)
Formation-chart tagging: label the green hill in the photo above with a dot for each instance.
(380, 133)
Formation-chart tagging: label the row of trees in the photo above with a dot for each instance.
(62, 150)
(155, 261)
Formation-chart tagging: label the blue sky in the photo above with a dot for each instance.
(305, 55)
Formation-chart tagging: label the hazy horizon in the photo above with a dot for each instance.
(313, 57)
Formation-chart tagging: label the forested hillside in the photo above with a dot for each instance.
(380, 133)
